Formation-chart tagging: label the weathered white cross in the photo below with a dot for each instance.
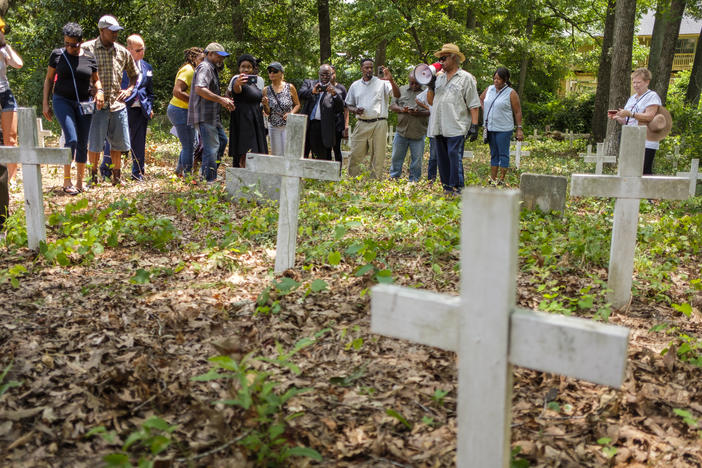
(693, 176)
(598, 158)
(31, 157)
(41, 133)
(571, 137)
(292, 168)
(628, 187)
(517, 152)
(490, 334)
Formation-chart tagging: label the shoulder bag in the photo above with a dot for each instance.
(85, 107)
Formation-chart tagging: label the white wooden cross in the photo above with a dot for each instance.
(571, 137)
(598, 158)
(292, 168)
(41, 133)
(587, 153)
(517, 152)
(31, 157)
(490, 334)
(693, 176)
(628, 187)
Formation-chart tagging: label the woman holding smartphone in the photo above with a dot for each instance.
(246, 130)
(641, 108)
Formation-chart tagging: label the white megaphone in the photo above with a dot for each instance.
(423, 73)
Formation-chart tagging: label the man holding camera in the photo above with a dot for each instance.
(204, 106)
(322, 104)
(455, 103)
(411, 133)
(368, 99)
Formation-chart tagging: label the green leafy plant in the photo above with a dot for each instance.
(607, 449)
(13, 274)
(399, 417)
(5, 386)
(438, 396)
(143, 445)
(692, 422)
(255, 393)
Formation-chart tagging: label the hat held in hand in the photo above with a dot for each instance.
(660, 126)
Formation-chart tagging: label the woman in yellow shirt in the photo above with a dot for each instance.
(178, 109)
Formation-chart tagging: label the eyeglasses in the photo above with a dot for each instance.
(443, 58)
(273, 70)
(72, 44)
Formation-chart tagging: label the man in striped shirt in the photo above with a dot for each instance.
(111, 119)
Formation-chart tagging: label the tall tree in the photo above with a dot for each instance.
(692, 97)
(324, 31)
(599, 114)
(524, 63)
(619, 82)
(659, 26)
(671, 18)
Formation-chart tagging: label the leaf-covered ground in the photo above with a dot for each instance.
(139, 285)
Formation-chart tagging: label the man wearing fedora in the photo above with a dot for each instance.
(368, 99)
(110, 120)
(645, 108)
(455, 103)
(205, 104)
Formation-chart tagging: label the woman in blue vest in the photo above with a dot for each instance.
(501, 110)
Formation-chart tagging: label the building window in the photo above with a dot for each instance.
(685, 46)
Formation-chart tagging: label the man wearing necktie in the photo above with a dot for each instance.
(139, 104)
(322, 102)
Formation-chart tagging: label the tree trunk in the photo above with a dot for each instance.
(525, 54)
(471, 22)
(619, 80)
(692, 97)
(654, 51)
(599, 114)
(661, 74)
(380, 52)
(4, 5)
(238, 27)
(324, 31)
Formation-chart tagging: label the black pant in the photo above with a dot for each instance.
(4, 195)
(649, 154)
(337, 145)
(137, 138)
(319, 151)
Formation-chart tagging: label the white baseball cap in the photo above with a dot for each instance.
(109, 22)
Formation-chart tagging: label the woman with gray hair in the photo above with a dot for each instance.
(641, 108)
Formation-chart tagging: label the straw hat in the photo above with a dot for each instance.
(660, 126)
(448, 49)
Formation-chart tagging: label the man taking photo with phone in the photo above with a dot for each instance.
(322, 103)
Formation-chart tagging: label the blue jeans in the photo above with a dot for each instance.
(76, 127)
(399, 151)
(186, 134)
(499, 148)
(214, 141)
(432, 164)
(449, 153)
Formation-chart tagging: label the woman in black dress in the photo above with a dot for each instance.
(246, 131)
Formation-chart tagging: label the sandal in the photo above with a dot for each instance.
(71, 190)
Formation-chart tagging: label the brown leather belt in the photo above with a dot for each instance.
(373, 120)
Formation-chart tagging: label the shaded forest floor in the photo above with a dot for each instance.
(116, 335)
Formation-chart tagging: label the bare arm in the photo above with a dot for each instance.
(295, 100)
(99, 92)
(517, 110)
(48, 84)
(430, 97)
(179, 91)
(205, 93)
(482, 98)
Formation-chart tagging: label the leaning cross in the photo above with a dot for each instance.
(518, 153)
(490, 334)
(628, 187)
(31, 157)
(292, 168)
(693, 176)
(598, 158)
(41, 133)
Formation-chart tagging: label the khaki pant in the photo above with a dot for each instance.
(368, 137)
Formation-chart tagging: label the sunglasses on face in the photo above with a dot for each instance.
(72, 44)
(273, 70)
(443, 58)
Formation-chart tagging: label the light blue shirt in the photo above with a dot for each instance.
(498, 109)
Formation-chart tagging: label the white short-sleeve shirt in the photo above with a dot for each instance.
(639, 104)
(372, 96)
